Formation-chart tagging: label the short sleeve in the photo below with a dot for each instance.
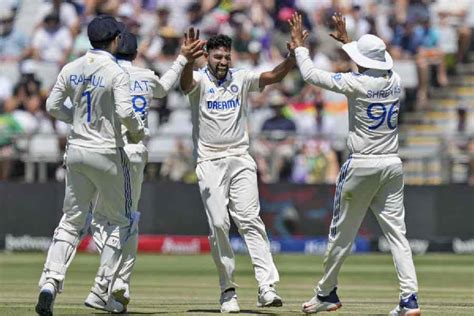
(252, 81)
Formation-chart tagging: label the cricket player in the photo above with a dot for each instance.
(96, 162)
(226, 172)
(144, 87)
(372, 177)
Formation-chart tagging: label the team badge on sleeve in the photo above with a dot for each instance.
(234, 88)
(337, 76)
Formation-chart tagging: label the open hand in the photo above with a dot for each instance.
(291, 46)
(340, 34)
(296, 29)
(192, 47)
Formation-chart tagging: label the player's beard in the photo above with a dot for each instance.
(220, 72)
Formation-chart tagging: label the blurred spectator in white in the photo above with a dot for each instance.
(380, 16)
(13, 43)
(81, 45)
(320, 60)
(163, 43)
(449, 41)
(66, 11)
(253, 58)
(314, 9)
(97, 7)
(315, 163)
(177, 11)
(421, 42)
(356, 24)
(33, 118)
(429, 53)
(27, 105)
(129, 14)
(26, 87)
(6, 88)
(52, 42)
(460, 16)
(274, 148)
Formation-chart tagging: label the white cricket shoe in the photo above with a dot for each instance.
(229, 302)
(319, 303)
(407, 307)
(44, 307)
(97, 301)
(121, 292)
(268, 297)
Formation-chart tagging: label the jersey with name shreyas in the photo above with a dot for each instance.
(374, 104)
(99, 90)
(219, 113)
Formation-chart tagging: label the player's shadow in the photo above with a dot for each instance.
(242, 311)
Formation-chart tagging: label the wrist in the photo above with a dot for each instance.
(182, 59)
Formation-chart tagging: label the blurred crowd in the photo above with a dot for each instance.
(298, 131)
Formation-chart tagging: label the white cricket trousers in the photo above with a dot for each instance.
(375, 183)
(89, 172)
(229, 185)
(137, 155)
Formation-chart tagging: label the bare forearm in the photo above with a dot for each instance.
(278, 73)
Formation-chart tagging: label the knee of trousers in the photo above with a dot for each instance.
(61, 234)
(118, 237)
(71, 240)
(219, 226)
(254, 223)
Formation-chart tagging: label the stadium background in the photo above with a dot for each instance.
(298, 140)
(298, 131)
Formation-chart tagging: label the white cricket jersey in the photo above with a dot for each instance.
(373, 104)
(219, 113)
(99, 90)
(146, 86)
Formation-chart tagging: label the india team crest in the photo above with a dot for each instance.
(234, 88)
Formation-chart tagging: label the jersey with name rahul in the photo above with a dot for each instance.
(374, 104)
(99, 90)
(219, 113)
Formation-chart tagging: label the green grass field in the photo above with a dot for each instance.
(177, 285)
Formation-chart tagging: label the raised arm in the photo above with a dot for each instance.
(55, 102)
(280, 71)
(186, 82)
(189, 52)
(324, 79)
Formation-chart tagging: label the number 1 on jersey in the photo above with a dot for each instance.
(87, 94)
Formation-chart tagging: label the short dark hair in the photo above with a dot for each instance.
(102, 45)
(217, 41)
(129, 57)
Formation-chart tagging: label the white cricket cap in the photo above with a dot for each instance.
(369, 52)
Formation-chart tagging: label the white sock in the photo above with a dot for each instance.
(49, 286)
